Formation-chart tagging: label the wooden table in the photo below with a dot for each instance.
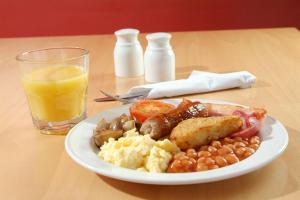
(36, 166)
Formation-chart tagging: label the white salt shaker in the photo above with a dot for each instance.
(159, 58)
(128, 54)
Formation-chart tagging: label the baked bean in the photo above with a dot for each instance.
(213, 167)
(191, 153)
(216, 155)
(178, 155)
(254, 146)
(216, 144)
(238, 145)
(224, 150)
(201, 167)
(246, 155)
(240, 151)
(175, 166)
(249, 151)
(201, 160)
(230, 146)
(194, 161)
(231, 158)
(209, 161)
(228, 140)
(212, 150)
(221, 161)
(182, 157)
(204, 154)
(245, 142)
(177, 162)
(254, 140)
(188, 165)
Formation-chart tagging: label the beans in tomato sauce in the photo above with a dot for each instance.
(217, 154)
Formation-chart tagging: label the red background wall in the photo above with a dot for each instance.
(73, 17)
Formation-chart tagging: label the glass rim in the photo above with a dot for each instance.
(21, 56)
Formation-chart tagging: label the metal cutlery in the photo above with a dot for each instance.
(124, 98)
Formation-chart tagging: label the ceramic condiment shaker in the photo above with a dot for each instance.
(159, 58)
(128, 54)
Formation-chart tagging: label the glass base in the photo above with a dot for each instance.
(57, 128)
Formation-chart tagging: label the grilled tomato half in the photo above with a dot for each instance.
(144, 109)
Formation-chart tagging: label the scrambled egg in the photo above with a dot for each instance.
(139, 152)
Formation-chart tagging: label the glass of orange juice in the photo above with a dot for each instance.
(55, 82)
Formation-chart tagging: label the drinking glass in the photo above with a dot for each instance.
(55, 82)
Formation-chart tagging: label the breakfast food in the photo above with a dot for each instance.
(219, 153)
(192, 137)
(195, 132)
(140, 152)
(226, 109)
(162, 124)
(113, 129)
(252, 117)
(144, 109)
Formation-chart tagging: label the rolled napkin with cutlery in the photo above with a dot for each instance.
(197, 82)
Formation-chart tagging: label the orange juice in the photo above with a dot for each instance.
(56, 93)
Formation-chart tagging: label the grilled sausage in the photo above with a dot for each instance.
(161, 125)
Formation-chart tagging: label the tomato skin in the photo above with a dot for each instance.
(144, 109)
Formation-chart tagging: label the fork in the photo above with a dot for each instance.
(117, 98)
(125, 98)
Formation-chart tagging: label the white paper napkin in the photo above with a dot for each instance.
(198, 82)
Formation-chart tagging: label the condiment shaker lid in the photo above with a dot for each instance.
(127, 36)
(159, 40)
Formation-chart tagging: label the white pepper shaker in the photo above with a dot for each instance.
(128, 54)
(159, 58)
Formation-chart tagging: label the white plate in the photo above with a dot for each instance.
(79, 146)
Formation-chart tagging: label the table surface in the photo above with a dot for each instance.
(36, 166)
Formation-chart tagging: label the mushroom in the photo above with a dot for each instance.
(115, 124)
(128, 125)
(102, 125)
(103, 136)
(124, 118)
(114, 129)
